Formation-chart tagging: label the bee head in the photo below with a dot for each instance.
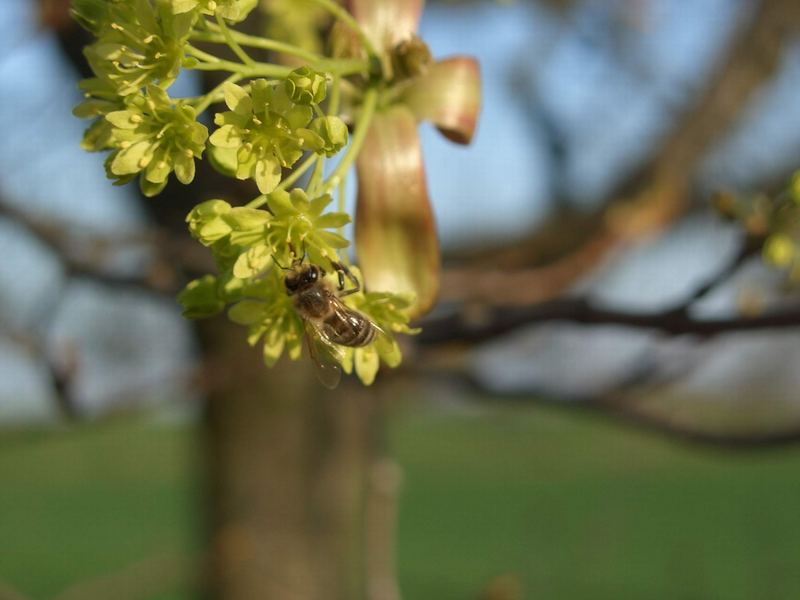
(302, 277)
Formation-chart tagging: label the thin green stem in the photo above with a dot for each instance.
(261, 69)
(257, 202)
(316, 176)
(215, 95)
(341, 66)
(351, 91)
(237, 49)
(197, 53)
(215, 37)
(336, 95)
(292, 178)
(362, 126)
(298, 172)
(346, 18)
(340, 201)
(258, 69)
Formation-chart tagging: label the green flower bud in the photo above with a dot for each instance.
(199, 298)
(253, 262)
(305, 86)
(779, 250)
(332, 132)
(207, 223)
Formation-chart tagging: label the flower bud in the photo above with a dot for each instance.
(200, 299)
(305, 86)
(333, 133)
(779, 250)
(206, 222)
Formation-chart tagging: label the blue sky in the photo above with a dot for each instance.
(610, 89)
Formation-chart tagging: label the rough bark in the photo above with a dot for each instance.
(288, 463)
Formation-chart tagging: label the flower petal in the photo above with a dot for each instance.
(238, 100)
(226, 136)
(395, 232)
(267, 175)
(449, 96)
(387, 22)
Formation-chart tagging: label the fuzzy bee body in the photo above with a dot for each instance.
(320, 307)
(332, 318)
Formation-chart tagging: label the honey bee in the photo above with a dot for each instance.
(329, 322)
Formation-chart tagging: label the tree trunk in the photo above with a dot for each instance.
(289, 468)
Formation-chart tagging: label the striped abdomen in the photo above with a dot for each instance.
(348, 328)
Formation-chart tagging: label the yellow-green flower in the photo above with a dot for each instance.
(300, 227)
(232, 10)
(139, 42)
(154, 136)
(259, 132)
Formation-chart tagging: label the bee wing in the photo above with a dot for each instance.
(325, 355)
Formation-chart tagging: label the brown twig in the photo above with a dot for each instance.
(491, 322)
(89, 263)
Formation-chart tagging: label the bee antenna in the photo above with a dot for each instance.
(275, 260)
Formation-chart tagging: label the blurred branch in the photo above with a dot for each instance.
(86, 256)
(737, 440)
(657, 194)
(504, 294)
(88, 264)
(61, 373)
(485, 323)
(748, 248)
(525, 286)
(619, 410)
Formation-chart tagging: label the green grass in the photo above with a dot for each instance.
(579, 508)
(77, 505)
(572, 506)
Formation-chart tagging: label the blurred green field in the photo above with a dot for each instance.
(571, 506)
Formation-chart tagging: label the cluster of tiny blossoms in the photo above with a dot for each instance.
(773, 219)
(279, 123)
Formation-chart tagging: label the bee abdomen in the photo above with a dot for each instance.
(354, 330)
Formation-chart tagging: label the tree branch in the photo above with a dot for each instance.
(84, 256)
(490, 322)
(621, 413)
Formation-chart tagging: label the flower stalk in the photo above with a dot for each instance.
(279, 123)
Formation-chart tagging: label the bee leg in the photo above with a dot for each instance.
(342, 271)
